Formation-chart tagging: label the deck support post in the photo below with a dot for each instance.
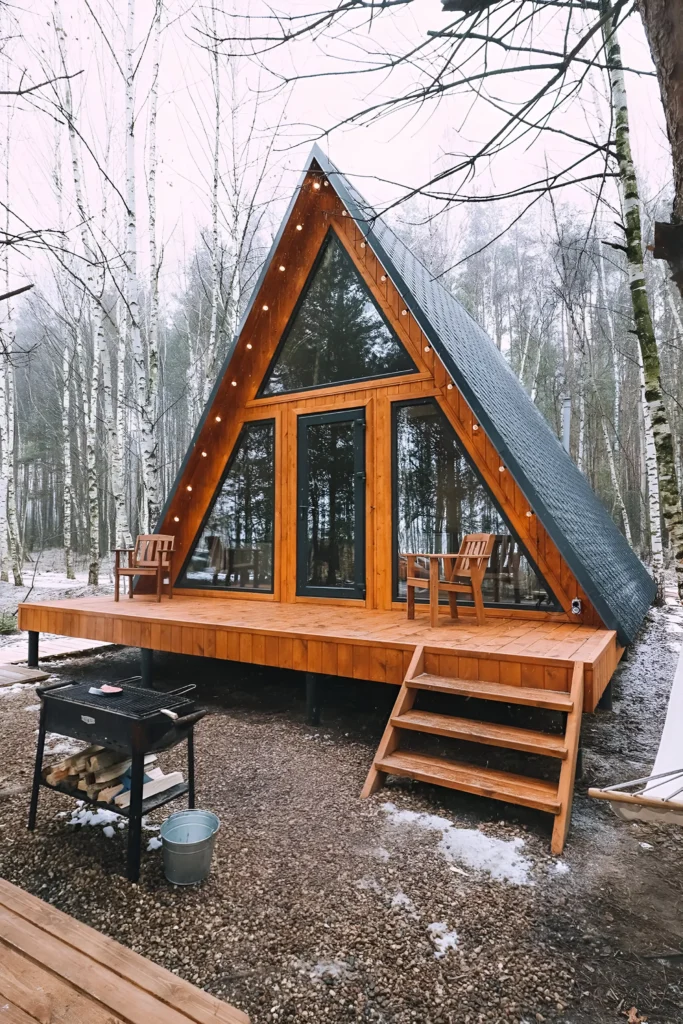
(605, 702)
(312, 699)
(33, 636)
(147, 666)
(579, 761)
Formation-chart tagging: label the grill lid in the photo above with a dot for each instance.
(132, 702)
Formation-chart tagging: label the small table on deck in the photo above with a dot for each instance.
(55, 969)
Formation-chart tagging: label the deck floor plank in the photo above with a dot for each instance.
(346, 639)
(53, 968)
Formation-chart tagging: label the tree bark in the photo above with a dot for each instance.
(666, 469)
(663, 21)
(148, 417)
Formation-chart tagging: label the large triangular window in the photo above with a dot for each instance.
(439, 498)
(234, 547)
(337, 333)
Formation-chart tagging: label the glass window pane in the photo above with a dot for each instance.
(331, 450)
(337, 333)
(235, 546)
(440, 499)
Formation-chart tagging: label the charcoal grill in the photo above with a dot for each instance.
(135, 722)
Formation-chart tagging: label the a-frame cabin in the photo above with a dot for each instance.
(362, 414)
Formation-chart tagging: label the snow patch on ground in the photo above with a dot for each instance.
(33, 707)
(56, 744)
(500, 858)
(442, 937)
(334, 969)
(369, 884)
(108, 831)
(381, 854)
(6, 691)
(400, 901)
(560, 867)
(83, 816)
(153, 844)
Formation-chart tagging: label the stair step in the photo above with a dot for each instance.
(489, 782)
(551, 700)
(511, 737)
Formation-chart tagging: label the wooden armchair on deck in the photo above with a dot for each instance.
(151, 556)
(463, 574)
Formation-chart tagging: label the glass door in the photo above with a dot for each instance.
(331, 500)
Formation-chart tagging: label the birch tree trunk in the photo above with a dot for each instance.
(148, 410)
(654, 508)
(67, 498)
(666, 469)
(212, 350)
(132, 297)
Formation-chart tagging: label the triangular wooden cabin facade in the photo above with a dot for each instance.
(353, 370)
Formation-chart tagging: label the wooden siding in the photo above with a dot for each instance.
(236, 402)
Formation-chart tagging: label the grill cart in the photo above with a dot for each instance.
(135, 722)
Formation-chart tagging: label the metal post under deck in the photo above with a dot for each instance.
(33, 636)
(312, 698)
(147, 666)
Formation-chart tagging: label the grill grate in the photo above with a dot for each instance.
(132, 702)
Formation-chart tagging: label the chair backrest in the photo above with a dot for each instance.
(149, 545)
(475, 551)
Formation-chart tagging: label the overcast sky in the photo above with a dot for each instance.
(403, 148)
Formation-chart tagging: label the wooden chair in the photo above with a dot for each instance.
(463, 574)
(151, 556)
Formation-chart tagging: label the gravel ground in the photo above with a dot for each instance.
(418, 905)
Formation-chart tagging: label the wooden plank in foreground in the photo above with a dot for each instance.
(56, 970)
(11, 674)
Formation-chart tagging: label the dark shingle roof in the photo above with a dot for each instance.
(611, 574)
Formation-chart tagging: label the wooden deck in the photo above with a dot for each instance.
(57, 971)
(341, 639)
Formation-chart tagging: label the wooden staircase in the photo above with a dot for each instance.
(553, 797)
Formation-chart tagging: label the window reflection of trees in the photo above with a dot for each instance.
(337, 334)
(235, 547)
(331, 504)
(440, 499)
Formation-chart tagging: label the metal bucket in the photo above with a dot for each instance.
(187, 839)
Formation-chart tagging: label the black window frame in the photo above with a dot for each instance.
(183, 582)
(553, 606)
(357, 416)
(270, 396)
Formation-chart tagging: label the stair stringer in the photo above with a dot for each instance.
(390, 736)
(565, 786)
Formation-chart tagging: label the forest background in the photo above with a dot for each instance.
(149, 150)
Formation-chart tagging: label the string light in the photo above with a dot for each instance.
(404, 312)
(189, 487)
(475, 427)
(450, 387)
(326, 183)
(264, 307)
(204, 454)
(218, 419)
(529, 514)
(299, 227)
(383, 277)
(501, 469)
(234, 383)
(427, 348)
(281, 267)
(316, 184)
(343, 213)
(362, 245)
(176, 519)
(249, 345)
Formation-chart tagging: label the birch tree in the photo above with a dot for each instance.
(628, 182)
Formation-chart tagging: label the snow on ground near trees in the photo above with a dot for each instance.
(442, 937)
(500, 858)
